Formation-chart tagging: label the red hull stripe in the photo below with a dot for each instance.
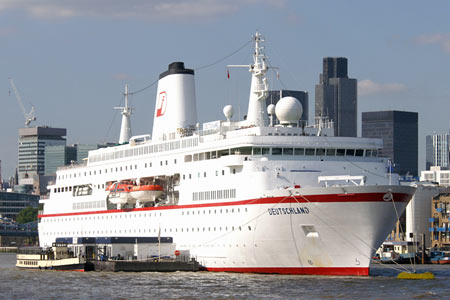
(330, 198)
(298, 271)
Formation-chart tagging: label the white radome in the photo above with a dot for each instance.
(271, 109)
(289, 110)
(228, 111)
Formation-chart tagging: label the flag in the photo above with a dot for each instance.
(228, 74)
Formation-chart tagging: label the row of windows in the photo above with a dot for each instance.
(165, 230)
(141, 215)
(143, 150)
(281, 151)
(112, 170)
(213, 195)
(28, 262)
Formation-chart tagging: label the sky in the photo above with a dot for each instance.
(71, 59)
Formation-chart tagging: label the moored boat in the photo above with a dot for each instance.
(58, 258)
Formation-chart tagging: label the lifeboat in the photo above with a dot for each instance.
(146, 193)
(119, 193)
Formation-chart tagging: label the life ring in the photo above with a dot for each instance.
(177, 252)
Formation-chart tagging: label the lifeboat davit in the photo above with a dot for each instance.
(119, 193)
(146, 193)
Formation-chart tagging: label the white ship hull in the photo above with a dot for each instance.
(327, 231)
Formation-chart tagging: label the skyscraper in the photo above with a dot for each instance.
(32, 142)
(57, 156)
(438, 151)
(399, 131)
(336, 96)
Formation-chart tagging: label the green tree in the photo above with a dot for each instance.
(27, 215)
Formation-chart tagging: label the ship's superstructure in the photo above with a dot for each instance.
(243, 196)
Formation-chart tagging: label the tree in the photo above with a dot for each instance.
(27, 215)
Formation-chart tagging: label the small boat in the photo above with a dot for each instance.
(146, 193)
(119, 193)
(58, 258)
(440, 257)
(123, 192)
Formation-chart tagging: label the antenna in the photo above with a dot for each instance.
(125, 129)
(29, 117)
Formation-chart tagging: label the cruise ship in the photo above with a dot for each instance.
(264, 194)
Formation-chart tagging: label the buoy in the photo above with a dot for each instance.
(415, 276)
(177, 253)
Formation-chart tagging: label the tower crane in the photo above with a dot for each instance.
(28, 116)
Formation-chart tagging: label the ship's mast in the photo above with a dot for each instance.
(259, 89)
(126, 111)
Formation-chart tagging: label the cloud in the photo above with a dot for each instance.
(149, 9)
(440, 39)
(369, 87)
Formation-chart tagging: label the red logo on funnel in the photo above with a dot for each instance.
(162, 104)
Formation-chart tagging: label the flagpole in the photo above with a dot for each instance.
(159, 243)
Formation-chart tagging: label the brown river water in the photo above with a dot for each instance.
(382, 284)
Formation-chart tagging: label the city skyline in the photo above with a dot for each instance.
(72, 59)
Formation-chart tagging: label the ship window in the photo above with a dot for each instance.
(224, 152)
(331, 152)
(145, 165)
(320, 151)
(223, 172)
(187, 158)
(126, 168)
(265, 151)
(167, 162)
(276, 151)
(309, 151)
(288, 151)
(257, 151)
(201, 156)
(350, 152)
(299, 151)
(368, 153)
(184, 176)
(374, 153)
(121, 169)
(359, 152)
(150, 165)
(340, 152)
(175, 161)
(196, 157)
(204, 174)
(190, 176)
(208, 155)
(234, 171)
(160, 162)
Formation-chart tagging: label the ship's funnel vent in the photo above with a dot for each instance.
(175, 110)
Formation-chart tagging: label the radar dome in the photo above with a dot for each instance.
(288, 110)
(271, 109)
(228, 111)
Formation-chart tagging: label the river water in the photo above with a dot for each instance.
(382, 284)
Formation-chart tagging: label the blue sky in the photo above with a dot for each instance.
(72, 58)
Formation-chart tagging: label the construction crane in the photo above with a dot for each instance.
(29, 117)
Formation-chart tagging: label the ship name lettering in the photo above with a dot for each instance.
(288, 211)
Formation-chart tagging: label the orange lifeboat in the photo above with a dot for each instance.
(119, 192)
(146, 193)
